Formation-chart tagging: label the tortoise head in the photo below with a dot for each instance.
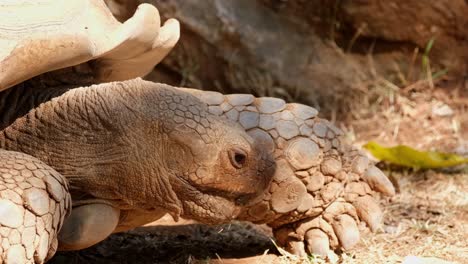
(217, 168)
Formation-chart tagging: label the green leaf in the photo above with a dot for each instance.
(408, 157)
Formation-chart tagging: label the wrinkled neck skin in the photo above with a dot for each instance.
(97, 139)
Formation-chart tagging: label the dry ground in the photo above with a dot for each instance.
(428, 217)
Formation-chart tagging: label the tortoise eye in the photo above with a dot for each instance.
(238, 157)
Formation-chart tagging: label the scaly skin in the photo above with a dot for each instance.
(34, 201)
(321, 189)
(139, 146)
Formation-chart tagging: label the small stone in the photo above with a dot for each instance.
(303, 153)
(249, 119)
(287, 129)
(37, 200)
(11, 215)
(211, 98)
(240, 99)
(269, 105)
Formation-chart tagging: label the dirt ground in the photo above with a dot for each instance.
(427, 218)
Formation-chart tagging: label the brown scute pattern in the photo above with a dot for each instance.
(321, 189)
(34, 201)
(187, 113)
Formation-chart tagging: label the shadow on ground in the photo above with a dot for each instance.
(174, 244)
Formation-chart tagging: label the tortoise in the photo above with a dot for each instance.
(89, 149)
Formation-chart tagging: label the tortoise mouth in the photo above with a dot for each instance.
(224, 205)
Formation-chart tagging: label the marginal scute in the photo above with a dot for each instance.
(303, 153)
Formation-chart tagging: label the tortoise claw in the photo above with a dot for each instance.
(369, 211)
(317, 242)
(296, 247)
(378, 181)
(347, 231)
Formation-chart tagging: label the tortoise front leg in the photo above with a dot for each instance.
(34, 200)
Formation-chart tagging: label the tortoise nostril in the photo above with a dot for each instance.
(238, 158)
